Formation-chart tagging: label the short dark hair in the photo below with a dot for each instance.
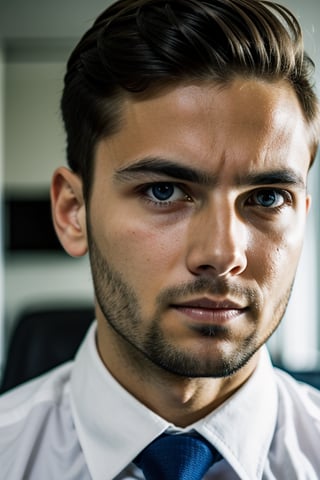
(135, 46)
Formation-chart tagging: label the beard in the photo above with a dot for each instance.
(144, 340)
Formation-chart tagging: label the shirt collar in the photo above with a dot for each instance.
(113, 426)
(242, 428)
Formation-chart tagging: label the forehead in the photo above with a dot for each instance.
(246, 124)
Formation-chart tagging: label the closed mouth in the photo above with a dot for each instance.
(210, 304)
(205, 310)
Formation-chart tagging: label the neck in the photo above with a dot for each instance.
(179, 400)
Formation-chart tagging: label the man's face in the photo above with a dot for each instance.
(196, 221)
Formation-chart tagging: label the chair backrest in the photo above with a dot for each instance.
(43, 339)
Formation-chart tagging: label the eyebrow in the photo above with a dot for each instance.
(286, 176)
(164, 167)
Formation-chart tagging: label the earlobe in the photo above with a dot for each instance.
(68, 211)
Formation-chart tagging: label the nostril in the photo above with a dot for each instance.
(220, 264)
(206, 267)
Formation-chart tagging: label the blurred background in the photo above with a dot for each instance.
(36, 38)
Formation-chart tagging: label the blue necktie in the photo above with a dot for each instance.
(177, 457)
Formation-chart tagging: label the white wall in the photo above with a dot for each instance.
(34, 136)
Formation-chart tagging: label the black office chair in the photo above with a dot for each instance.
(43, 339)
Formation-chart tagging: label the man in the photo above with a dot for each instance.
(191, 128)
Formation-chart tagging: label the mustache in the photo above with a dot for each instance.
(207, 286)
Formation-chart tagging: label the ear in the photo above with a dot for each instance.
(68, 211)
(308, 203)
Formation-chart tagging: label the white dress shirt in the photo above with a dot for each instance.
(78, 423)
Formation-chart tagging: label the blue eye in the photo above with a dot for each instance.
(268, 198)
(162, 191)
(165, 193)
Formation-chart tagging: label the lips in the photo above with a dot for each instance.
(211, 304)
(209, 310)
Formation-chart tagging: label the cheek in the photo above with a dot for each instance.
(274, 259)
(290, 244)
(140, 252)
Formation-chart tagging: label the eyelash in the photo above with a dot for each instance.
(185, 197)
(276, 192)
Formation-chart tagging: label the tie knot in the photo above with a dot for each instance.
(177, 457)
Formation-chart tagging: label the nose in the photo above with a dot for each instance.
(218, 241)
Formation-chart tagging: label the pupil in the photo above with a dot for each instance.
(267, 199)
(163, 191)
